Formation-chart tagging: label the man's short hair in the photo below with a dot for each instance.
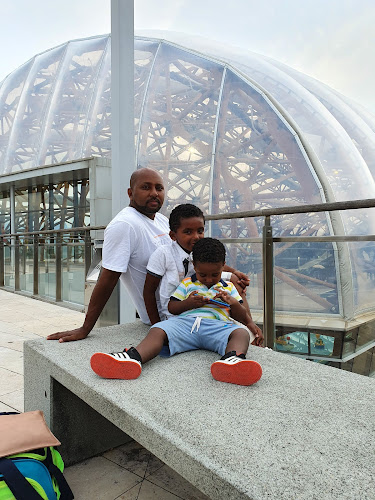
(208, 250)
(184, 211)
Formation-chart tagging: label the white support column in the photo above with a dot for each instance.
(12, 209)
(122, 99)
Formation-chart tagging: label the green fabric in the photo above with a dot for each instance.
(6, 494)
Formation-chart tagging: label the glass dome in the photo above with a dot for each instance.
(231, 131)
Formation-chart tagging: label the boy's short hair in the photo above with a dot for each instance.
(208, 250)
(184, 211)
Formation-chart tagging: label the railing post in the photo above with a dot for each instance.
(17, 263)
(36, 265)
(2, 263)
(58, 268)
(268, 287)
(87, 252)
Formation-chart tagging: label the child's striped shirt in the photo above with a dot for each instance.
(212, 311)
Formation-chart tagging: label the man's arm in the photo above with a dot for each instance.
(149, 291)
(100, 295)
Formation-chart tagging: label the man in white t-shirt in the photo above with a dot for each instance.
(129, 240)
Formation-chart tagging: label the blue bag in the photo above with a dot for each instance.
(33, 475)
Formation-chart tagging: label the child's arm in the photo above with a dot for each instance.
(241, 312)
(149, 296)
(250, 323)
(193, 301)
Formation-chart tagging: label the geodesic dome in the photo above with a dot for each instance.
(231, 131)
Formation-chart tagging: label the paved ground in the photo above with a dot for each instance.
(126, 473)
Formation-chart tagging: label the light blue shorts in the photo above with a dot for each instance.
(187, 333)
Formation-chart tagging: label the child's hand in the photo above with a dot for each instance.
(195, 300)
(257, 332)
(225, 297)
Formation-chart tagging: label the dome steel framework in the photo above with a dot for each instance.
(230, 131)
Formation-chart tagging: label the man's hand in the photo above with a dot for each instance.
(69, 335)
(240, 281)
(101, 293)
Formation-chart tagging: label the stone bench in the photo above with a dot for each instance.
(304, 431)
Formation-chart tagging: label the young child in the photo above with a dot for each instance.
(200, 324)
(169, 264)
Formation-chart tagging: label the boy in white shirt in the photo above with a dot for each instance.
(170, 264)
(201, 306)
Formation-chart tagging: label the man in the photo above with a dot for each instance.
(129, 240)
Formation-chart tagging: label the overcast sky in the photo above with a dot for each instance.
(331, 40)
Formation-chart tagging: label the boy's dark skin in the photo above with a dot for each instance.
(209, 274)
(190, 230)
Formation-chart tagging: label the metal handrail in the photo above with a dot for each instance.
(267, 239)
(55, 231)
(297, 209)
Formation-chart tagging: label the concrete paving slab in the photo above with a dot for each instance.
(99, 474)
(9, 382)
(14, 399)
(11, 341)
(133, 457)
(7, 408)
(12, 360)
(169, 480)
(148, 491)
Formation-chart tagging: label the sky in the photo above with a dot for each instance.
(331, 40)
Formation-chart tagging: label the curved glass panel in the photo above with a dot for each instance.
(66, 120)
(178, 123)
(360, 133)
(330, 142)
(259, 163)
(10, 94)
(144, 55)
(24, 141)
(97, 141)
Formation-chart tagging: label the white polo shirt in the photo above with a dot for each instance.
(129, 240)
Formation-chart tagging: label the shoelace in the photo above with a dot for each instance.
(196, 324)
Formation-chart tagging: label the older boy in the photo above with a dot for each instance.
(170, 264)
(204, 303)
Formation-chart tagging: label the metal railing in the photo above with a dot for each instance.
(59, 239)
(36, 243)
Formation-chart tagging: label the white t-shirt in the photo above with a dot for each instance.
(167, 263)
(129, 240)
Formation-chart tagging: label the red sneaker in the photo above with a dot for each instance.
(115, 365)
(236, 370)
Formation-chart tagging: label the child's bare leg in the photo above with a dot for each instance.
(152, 344)
(127, 364)
(238, 341)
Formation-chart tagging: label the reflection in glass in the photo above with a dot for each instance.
(73, 270)
(305, 277)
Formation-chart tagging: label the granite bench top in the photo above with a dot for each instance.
(304, 431)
